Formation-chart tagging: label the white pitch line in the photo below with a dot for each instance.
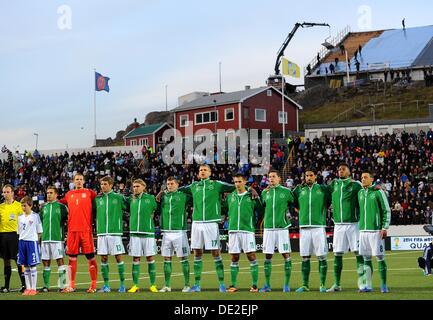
(274, 265)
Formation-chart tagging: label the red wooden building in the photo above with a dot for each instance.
(259, 108)
(146, 135)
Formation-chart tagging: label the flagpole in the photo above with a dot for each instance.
(94, 107)
(282, 102)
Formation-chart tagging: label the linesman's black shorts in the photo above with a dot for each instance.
(9, 245)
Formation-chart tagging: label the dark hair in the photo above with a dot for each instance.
(344, 164)
(56, 191)
(239, 175)
(274, 171)
(107, 179)
(370, 172)
(313, 170)
(172, 178)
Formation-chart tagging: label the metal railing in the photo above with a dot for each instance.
(376, 106)
(324, 51)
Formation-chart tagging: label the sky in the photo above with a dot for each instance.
(49, 50)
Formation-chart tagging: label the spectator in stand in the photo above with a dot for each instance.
(357, 66)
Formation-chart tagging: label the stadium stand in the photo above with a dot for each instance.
(381, 50)
(351, 43)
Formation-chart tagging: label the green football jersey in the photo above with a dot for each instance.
(142, 209)
(206, 195)
(345, 207)
(276, 201)
(313, 203)
(173, 211)
(374, 209)
(109, 213)
(241, 211)
(53, 216)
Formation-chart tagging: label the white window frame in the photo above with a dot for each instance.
(202, 113)
(199, 138)
(255, 115)
(225, 114)
(144, 141)
(133, 142)
(269, 93)
(186, 122)
(280, 113)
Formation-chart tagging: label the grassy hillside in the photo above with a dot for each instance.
(357, 101)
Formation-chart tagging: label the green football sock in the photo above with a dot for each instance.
(152, 272)
(234, 270)
(121, 269)
(62, 276)
(185, 270)
(382, 272)
(46, 275)
(360, 266)
(198, 267)
(338, 267)
(323, 269)
(254, 268)
(105, 272)
(369, 263)
(219, 269)
(368, 275)
(167, 273)
(287, 271)
(268, 271)
(306, 267)
(135, 272)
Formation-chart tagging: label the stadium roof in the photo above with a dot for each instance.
(226, 98)
(396, 48)
(144, 130)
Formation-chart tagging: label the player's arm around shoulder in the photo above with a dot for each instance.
(63, 212)
(153, 202)
(64, 200)
(296, 191)
(187, 188)
(290, 195)
(92, 193)
(224, 187)
(263, 197)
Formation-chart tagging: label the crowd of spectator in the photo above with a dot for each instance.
(402, 163)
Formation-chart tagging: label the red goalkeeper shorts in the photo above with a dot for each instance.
(80, 240)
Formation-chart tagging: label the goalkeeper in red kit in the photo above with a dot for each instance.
(80, 230)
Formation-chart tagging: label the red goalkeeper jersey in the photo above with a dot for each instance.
(79, 204)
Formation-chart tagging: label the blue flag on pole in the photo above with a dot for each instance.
(101, 82)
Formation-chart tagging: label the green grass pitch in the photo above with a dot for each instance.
(405, 281)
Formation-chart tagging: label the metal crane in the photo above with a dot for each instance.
(289, 38)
